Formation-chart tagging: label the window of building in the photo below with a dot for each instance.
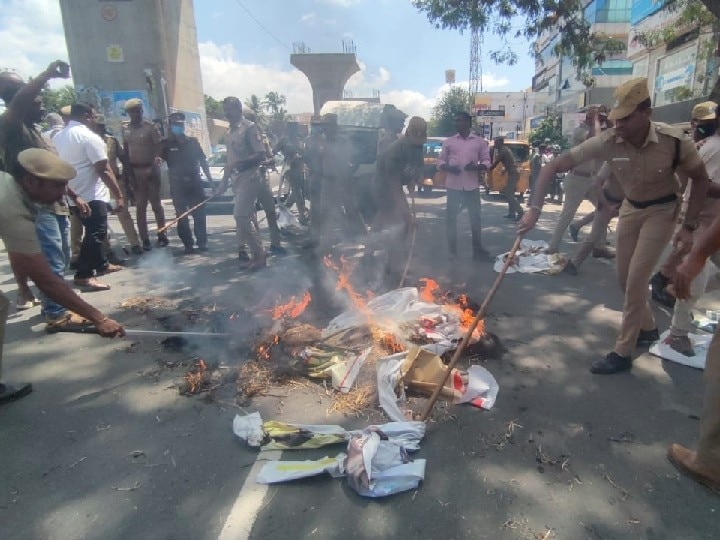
(614, 67)
(610, 11)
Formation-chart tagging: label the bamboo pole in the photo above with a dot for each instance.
(412, 242)
(466, 339)
(183, 215)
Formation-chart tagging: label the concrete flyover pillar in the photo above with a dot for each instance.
(327, 73)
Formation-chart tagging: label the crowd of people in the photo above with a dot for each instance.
(58, 187)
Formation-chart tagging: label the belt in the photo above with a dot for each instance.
(610, 198)
(646, 204)
(582, 174)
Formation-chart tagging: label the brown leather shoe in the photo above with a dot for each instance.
(685, 460)
(603, 253)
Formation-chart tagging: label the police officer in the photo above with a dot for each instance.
(505, 156)
(245, 154)
(643, 155)
(40, 178)
(185, 158)
(578, 182)
(141, 166)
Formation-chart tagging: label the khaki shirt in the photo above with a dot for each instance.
(645, 173)
(142, 143)
(243, 141)
(505, 156)
(579, 136)
(114, 151)
(17, 217)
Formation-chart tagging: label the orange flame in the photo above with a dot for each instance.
(293, 308)
(427, 294)
(262, 351)
(194, 379)
(344, 270)
(391, 344)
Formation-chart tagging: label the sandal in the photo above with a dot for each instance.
(91, 284)
(109, 269)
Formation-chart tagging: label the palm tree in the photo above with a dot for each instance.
(254, 106)
(274, 103)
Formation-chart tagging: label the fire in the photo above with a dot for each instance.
(194, 379)
(344, 270)
(427, 294)
(293, 308)
(262, 351)
(390, 343)
(460, 307)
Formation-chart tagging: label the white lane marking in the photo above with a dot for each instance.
(248, 504)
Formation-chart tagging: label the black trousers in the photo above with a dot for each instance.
(92, 257)
(186, 194)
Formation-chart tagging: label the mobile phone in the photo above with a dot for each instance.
(64, 69)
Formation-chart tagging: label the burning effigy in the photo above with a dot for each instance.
(349, 350)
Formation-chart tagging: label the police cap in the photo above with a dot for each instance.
(43, 164)
(628, 96)
(133, 103)
(707, 110)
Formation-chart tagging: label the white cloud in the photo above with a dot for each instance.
(308, 17)
(32, 36)
(223, 75)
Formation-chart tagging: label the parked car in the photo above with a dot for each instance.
(222, 204)
(432, 178)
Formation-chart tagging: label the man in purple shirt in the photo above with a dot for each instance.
(462, 157)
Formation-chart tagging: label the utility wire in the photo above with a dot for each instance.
(261, 25)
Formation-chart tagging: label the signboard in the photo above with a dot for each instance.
(449, 76)
(491, 112)
(535, 121)
(644, 8)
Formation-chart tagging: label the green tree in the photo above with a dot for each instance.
(576, 41)
(442, 120)
(55, 99)
(256, 108)
(213, 108)
(549, 131)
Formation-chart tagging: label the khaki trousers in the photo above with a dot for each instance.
(246, 189)
(575, 188)
(708, 449)
(4, 307)
(597, 235)
(146, 186)
(642, 235)
(267, 201)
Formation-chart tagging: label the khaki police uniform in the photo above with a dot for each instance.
(143, 144)
(505, 156)
(603, 216)
(18, 212)
(242, 142)
(576, 186)
(266, 197)
(647, 215)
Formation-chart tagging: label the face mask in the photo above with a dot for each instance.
(705, 130)
(177, 129)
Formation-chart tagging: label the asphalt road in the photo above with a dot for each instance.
(106, 448)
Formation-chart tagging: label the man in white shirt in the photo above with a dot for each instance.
(87, 153)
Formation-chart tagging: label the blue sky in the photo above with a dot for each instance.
(400, 52)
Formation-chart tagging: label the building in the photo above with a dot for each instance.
(144, 49)
(508, 113)
(557, 78)
(681, 72)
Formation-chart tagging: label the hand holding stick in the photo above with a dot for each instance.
(466, 339)
(412, 241)
(184, 214)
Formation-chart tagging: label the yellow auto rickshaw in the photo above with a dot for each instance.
(432, 177)
(496, 180)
